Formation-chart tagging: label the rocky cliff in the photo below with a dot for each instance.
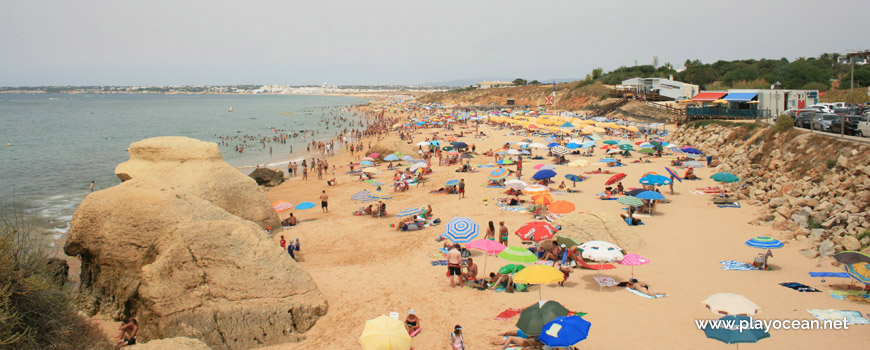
(165, 252)
(815, 188)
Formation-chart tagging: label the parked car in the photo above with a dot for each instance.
(803, 118)
(851, 125)
(847, 110)
(864, 129)
(824, 122)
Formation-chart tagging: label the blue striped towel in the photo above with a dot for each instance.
(513, 208)
(737, 265)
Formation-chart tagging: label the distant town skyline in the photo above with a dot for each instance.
(391, 42)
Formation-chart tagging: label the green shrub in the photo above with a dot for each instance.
(831, 163)
(813, 224)
(783, 123)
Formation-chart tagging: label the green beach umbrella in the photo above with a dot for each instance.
(534, 317)
(447, 148)
(725, 177)
(626, 147)
(657, 145)
(611, 142)
(511, 269)
(630, 201)
(518, 254)
(567, 241)
(647, 150)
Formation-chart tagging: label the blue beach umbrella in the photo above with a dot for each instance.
(453, 182)
(650, 195)
(544, 174)
(728, 330)
(363, 196)
(391, 158)
(461, 230)
(572, 145)
(366, 163)
(574, 178)
(657, 180)
(552, 144)
(608, 160)
(691, 150)
(588, 144)
(409, 212)
(305, 205)
(567, 125)
(564, 331)
(765, 242)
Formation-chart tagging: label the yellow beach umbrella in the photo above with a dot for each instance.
(539, 274)
(577, 163)
(632, 128)
(600, 130)
(385, 333)
(589, 129)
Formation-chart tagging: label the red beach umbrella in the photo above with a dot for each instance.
(614, 179)
(536, 231)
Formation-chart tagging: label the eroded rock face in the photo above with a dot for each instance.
(600, 227)
(267, 177)
(187, 267)
(197, 167)
(179, 343)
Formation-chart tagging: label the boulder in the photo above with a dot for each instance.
(267, 177)
(197, 167)
(177, 343)
(850, 243)
(187, 267)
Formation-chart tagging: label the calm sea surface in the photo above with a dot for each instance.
(59, 143)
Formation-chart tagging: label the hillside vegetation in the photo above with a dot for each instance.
(568, 96)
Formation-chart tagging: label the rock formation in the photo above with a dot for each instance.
(600, 227)
(197, 167)
(815, 188)
(267, 177)
(186, 266)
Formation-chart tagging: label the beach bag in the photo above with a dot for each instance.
(521, 287)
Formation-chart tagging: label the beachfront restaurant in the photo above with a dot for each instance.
(726, 105)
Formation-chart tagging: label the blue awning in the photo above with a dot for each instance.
(740, 96)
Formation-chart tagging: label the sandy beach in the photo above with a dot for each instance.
(366, 269)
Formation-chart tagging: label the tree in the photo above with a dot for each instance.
(698, 75)
(519, 82)
(534, 82)
(597, 73)
(862, 78)
(797, 74)
(743, 74)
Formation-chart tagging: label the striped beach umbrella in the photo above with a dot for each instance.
(409, 212)
(518, 254)
(860, 271)
(533, 189)
(498, 174)
(630, 201)
(282, 206)
(461, 230)
(765, 242)
(516, 184)
(543, 198)
(362, 196)
(380, 195)
(560, 150)
(574, 178)
(674, 174)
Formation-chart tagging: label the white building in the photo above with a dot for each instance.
(675, 90)
(494, 84)
(778, 101)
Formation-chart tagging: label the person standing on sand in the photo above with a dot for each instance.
(454, 264)
(490, 232)
(461, 188)
(304, 172)
(92, 186)
(502, 233)
(323, 199)
(671, 185)
(283, 242)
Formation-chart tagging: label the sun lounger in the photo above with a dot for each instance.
(800, 287)
(852, 317)
(644, 295)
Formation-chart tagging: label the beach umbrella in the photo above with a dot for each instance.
(647, 150)
(435, 143)
(614, 179)
(502, 153)
(544, 174)
(416, 166)
(447, 148)
(850, 257)
(538, 166)
(518, 255)
(498, 174)
(533, 189)
(543, 198)
(552, 144)
(611, 142)
(537, 145)
(282, 206)
(765, 242)
(730, 304)
(655, 180)
(374, 155)
(587, 144)
(380, 195)
(674, 174)
(724, 177)
(391, 158)
(489, 247)
(547, 167)
(362, 196)
(567, 241)
(601, 252)
(368, 159)
(693, 164)
(633, 260)
(459, 145)
(406, 158)
(608, 147)
(574, 178)
(635, 192)
(374, 183)
(505, 162)
(511, 269)
(453, 182)
(626, 147)
(564, 331)
(513, 152)
(691, 150)
(561, 207)
(461, 230)
(560, 150)
(572, 145)
(539, 274)
(305, 205)
(613, 151)
(385, 333)
(516, 184)
(567, 125)
(536, 231)
(859, 271)
(409, 212)
(650, 195)
(366, 163)
(533, 318)
(608, 160)
(578, 163)
(423, 143)
(630, 201)
(734, 329)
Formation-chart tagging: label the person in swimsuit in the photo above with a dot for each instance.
(323, 198)
(128, 329)
(412, 323)
(456, 342)
(470, 274)
(643, 288)
(517, 337)
(490, 231)
(502, 233)
(454, 264)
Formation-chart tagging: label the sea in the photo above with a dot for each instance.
(53, 145)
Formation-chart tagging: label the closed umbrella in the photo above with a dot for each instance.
(614, 179)
(533, 318)
(461, 230)
(385, 333)
(539, 274)
(536, 231)
(564, 331)
(518, 255)
(729, 330)
(730, 304)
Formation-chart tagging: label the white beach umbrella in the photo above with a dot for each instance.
(730, 304)
(537, 145)
(423, 143)
(516, 184)
(513, 152)
(601, 251)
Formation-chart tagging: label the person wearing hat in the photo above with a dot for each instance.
(412, 323)
(456, 342)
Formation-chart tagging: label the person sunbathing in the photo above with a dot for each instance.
(513, 200)
(554, 253)
(644, 288)
(607, 193)
(518, 338)
(499, 279)
(630, 219)
(690, 174)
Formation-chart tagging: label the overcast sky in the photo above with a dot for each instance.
(157, 42)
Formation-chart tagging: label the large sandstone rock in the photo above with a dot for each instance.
(267, 177)
(197, 167)
(178, 343)
(607, 227)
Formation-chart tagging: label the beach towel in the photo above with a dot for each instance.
(844, 295)
(485, 166)
(852, 317)
(605, 281)
(513, 208)
(490, 186)
(629, 224)
(644, 295)
(737, 265)
(438, 262)
(730, 205)
(508, 314)
(439, 193)
(800, 287)
(830, 274)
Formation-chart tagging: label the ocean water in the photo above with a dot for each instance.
(53, 145)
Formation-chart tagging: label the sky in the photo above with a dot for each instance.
(380, 42)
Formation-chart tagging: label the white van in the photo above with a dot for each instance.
(864, 129)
